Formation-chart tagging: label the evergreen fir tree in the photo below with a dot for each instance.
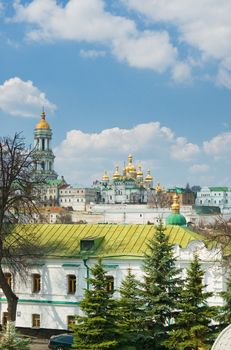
(160, 288)
(130, 312)
(97, 329)
(224, 316)
(192, 329)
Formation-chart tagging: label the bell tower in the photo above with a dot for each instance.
(43, 155)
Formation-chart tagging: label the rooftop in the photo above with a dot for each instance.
(117, 240)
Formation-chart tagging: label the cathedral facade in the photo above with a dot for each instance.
(128, 187)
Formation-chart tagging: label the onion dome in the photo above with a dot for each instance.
(148, 176)
(105, 176)
(43, 123)
(176, 218)
(139, 173)
(116, 174)
(130, 168)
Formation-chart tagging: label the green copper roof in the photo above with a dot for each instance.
(219, 189)
(61, 240)
(176, 219)
(54, 182)
(178, 190)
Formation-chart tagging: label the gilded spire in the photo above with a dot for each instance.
(158, 187)
(176, 205)
(139, 172)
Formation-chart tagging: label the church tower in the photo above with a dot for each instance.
(43, 155)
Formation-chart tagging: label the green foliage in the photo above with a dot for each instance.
(97, 329)
(224, 316)
(161, 287)
(12, 341)
(130, 311)
(192, 322)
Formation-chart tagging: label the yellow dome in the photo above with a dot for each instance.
(139, 172)
(148, 176)
(105, 176)
(116, 174)
(130, 168)
(43, 123)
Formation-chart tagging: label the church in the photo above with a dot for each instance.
(128, 187)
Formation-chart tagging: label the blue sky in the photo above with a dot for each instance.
(150, 77)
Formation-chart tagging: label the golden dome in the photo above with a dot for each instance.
(105, 176)
(148, 176)
(130, 168)
(116, 174)
(176, 205)
(43, 123)
(139, 172)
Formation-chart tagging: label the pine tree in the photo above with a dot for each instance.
(97, 329)
(192, 329)
(130, 312)
(160, 288)
(224, 316)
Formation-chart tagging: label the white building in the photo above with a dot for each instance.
(50, 296)
(76, 197)
(215, 196)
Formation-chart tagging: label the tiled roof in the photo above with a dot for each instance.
(63, 240)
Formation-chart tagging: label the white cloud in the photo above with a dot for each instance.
(199, 168)
(92, 53)
(22, 98)
(87, 155)
(147, 50)
(89, 21)
(219, 146)
(182, 150)
(202, 24)
(181, 72)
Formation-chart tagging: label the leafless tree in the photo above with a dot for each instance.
(219, 235)
(159, 199)
(19, 195)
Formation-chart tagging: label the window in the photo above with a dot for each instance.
(71, 280)
(36, 320)
(8, 278)
(70, 320)
(36, 283)
(110, 284)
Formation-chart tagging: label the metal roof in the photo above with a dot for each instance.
(63, 240)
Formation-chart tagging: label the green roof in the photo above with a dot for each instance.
(219, 189)
(178, 190)
(63, 240)
(54, 182)
(176, 219)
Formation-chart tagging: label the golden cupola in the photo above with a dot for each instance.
(116, 174)
(105, 176)
(139, 173)
(130, 168)
(148, 176)
(43, 123)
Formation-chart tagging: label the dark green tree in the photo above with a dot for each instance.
(130, 308)
(161, 288)
(192, 329)
(224, 315)
(97, 329)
